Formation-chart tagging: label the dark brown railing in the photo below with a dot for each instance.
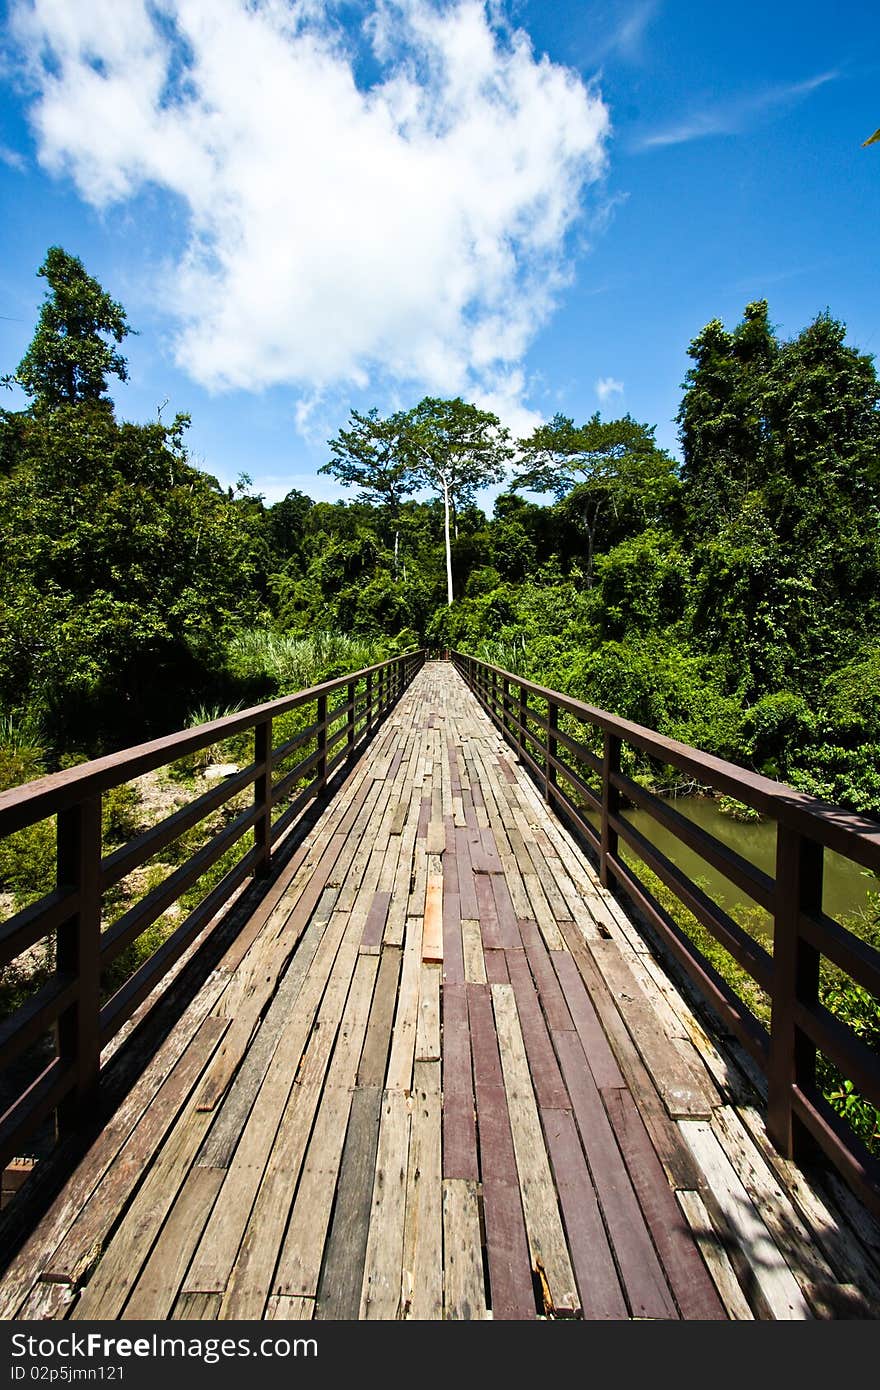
(798, 1117)
(69, 1007)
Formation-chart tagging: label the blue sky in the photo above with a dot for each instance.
(306, 207)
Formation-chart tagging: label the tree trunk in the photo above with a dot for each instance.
(396, 547)
(448, 542)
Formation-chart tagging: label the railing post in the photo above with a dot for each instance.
(352, 692)
(79, 955)
(263, 796)
(505, 702)
(792, 1057)
(523, 717)
(321, 720)
(610, 807)
(550, 770)
(369, 705)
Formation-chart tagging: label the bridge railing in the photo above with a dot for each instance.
(552, 734)
(53, 1040)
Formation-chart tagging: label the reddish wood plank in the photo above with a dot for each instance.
(453, 956)
(694, 1290)
(510, 1274)
(507, 920)
(598, 1284)
(374, 926)
(496, 967)
(646, 1288)
(487, 915)
(549, 989)
(466, 887)
(490, 852)
(603, 1063)
(546, 1076)
(424, 818)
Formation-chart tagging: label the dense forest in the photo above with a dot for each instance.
(730, 599)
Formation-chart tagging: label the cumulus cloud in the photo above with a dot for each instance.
(607, 386)
(409, 226)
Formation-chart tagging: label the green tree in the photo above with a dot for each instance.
(69, 358)
(369, 456)
(606, 471)
(454, 448)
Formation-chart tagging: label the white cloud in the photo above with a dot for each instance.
(607, 386)
(412, 230)
(12, 159)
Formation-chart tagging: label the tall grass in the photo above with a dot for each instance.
(293, 663)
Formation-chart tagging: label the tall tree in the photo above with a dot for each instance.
(69, 359)
(597, 472)
(454, 448)
(369, 456)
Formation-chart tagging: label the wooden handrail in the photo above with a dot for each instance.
(71, 1003)
(798, 1118)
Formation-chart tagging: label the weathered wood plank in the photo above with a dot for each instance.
(196, 1307)
(374, 1058)
(684, 1269)
(432, 938)
(544, 1068)
(506, 1242)
(156, 1291)
(642, 1275)
(374, 926)
(459, 1123)
(773, 1283)
(428, 1026)
(422, 1274)
(464, 1296)
(597, 1278)
(403, 1037)
(472, 946)
(550, 1259)
(383, 1263)
(339, 1290)
(281, 1308)
(713, 1252)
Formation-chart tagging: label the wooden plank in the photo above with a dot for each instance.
(693, 1289)
(510, 1271)
(508, 924)
(280, 1308)
(250, 1275)
(238, 1101)
(403, 1037)
(601, 1059)
(464, 1295)
(156, 1291)
(453, 957)
(550, 1259)
(495, 964)
(472, 946)
(299, 1265)
(428, 1026)
(465, 871)
(802, 1255)
(674, 1154)
(488, 916)
(339, 1290)
(374, 927)
(432, 939)
(374, 1058)
(90, 1228)
(120, 1264)
(773, 1283)
(544, 1068)
(383, 1263)
(196, 1307)
(214, 1259)
(459, 1123)
(598, 1284)
(713, 1252)
(422, 1272)
(549, 990)
(642, 1275)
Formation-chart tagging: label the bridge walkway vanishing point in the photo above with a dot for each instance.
(438, 1074)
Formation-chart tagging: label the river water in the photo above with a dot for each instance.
(845, 884)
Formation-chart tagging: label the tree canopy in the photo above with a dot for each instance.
(69, 360)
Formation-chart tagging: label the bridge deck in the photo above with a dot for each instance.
(439, 1074)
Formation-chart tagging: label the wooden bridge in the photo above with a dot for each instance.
(435, 1072)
